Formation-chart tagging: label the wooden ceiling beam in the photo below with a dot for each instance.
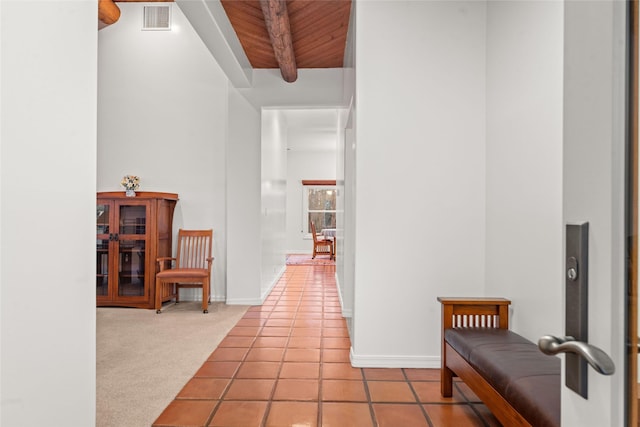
(277, 20)
(108, 12)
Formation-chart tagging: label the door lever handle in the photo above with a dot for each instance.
(598, 359)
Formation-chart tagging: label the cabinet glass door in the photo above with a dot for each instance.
(102, 249)
(132, 227)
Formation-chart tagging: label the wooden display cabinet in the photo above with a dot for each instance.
(132, 232)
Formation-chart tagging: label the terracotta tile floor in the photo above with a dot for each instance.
(286, 363)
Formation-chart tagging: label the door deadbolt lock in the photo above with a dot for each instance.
(576, 305)
(572, 268)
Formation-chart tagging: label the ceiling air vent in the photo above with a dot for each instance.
(157, 18)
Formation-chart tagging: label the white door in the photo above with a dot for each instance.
(593, 190)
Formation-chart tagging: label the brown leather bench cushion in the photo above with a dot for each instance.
(516, 368)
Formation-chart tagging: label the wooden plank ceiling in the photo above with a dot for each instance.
(318, 32)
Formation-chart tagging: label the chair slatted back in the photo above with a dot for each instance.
(313, 233)
(194, 247)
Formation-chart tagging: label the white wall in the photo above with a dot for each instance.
(47, 206)
(420, 210)
(244, 257)
(273, 198)
(346, 159)
(163, 115)
(315, 87)
(524, 162)
(345, 245)
(303, 165)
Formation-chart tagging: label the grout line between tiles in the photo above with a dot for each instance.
(296, 298)
(365, 383)
(415, 394)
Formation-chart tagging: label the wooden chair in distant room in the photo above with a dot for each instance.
(191, 268)
(321, 246)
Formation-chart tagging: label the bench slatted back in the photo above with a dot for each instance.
(475, 312)
(475, 321)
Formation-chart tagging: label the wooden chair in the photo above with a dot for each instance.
(191, 268)
(321, 246)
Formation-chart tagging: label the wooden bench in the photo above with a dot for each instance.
(518, 383)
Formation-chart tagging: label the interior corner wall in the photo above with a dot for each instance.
(243, 202)
(273, 198)
(163, 115)
(524, 162)
(420, 168)
(48, 69)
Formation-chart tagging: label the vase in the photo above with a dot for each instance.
(130, 193)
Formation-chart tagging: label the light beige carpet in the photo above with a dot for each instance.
(143, 359)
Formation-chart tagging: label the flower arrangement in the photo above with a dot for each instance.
(130, 182)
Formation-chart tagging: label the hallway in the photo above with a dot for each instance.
(286, 363)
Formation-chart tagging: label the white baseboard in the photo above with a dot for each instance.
(244, 301)
(265, 294)
(273, 283)
(346, 312)
(384, 361)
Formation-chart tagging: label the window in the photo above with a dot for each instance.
(319, 205)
